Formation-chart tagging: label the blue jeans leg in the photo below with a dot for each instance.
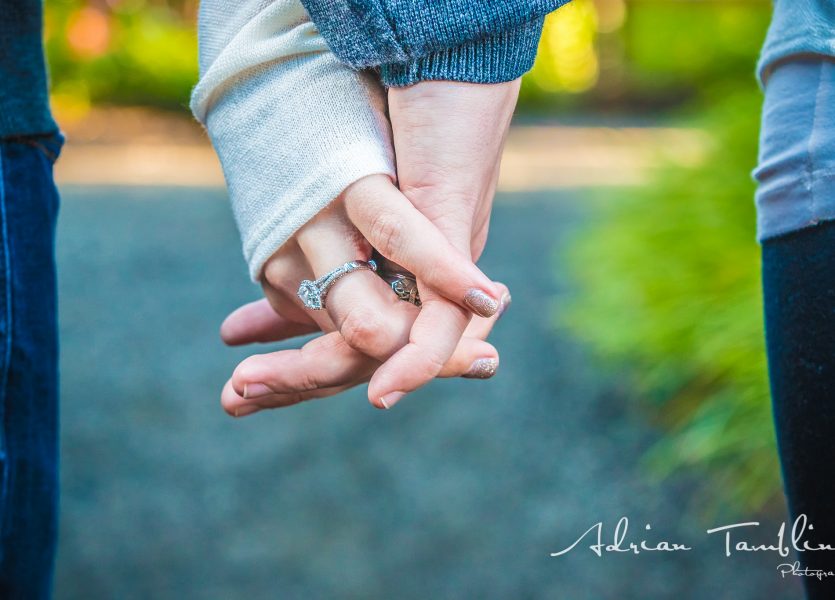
(28, 367)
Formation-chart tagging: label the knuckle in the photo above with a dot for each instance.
(272, 273)
(365, 331)
(430, 365)
(292, 399)
(433, 274)
(275, 272)
(305, 378)
(386, 233)
(306, 382)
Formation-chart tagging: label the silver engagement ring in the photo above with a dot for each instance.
(313, 293)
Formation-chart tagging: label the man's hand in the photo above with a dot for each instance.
(448, 139)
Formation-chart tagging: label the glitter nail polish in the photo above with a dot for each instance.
(480, 303)
(482, 368)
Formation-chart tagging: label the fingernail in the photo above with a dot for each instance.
(245, 410)
(391, 399)
(504, 304)
(256, 390)
(482, 368)
(480, 303)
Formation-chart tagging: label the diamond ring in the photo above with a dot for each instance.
(313, 293)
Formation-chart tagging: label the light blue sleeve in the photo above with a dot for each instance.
(796, 166)
(798, 27)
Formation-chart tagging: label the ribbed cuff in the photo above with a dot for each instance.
(495, 59)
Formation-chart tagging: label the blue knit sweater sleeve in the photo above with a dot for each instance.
(482, 41)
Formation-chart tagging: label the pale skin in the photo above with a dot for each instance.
(448, 139)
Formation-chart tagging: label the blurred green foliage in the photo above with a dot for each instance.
(669, 284)
(613, 54)
(642, 55)
(671, 45)
(129, 52)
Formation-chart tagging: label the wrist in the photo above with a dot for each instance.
(502, 57)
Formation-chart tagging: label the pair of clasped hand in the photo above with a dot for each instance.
(433, 221)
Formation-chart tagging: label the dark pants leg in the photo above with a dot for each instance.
(799, 288)
(28, 367)
(796, 213)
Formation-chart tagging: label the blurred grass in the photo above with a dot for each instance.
(668, 274)
(669, 284)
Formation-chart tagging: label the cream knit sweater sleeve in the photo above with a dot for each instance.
(292, 126)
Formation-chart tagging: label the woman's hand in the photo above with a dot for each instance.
(369, 322)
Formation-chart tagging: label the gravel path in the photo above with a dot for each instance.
(462, 491)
